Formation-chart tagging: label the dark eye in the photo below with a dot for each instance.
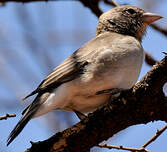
(131, 11)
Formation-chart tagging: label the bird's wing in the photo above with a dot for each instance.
(68, 70)
(75, 64)
(65, 72)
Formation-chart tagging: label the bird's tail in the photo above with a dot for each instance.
(18, 128)
(27, 115)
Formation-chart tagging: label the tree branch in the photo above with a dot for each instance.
(143, 103)
(123, 148)
(93, 5)
(112, 2)
(142, 149)
(158, 133)
(8, 115)
(149, 59)
(159, 29)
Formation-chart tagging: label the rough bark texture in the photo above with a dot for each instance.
(145, 102)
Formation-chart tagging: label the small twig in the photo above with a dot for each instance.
(123, 148)
(158, 133)
(7, 116)
(149, 59)
(159, 29)
(113, 2)
(93, 5)
(142, 149)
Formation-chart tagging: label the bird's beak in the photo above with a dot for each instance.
(149, 18)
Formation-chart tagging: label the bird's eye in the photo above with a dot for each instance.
(131, 11)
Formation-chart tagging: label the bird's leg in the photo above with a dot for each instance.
(80, 115)
(110, 91)
(114, 93)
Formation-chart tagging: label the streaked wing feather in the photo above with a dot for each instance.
(75, 64)
(65, 72)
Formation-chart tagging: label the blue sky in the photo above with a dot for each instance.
(36, 37)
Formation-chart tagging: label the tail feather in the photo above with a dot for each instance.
(28, 113)
(31, 94)
(18, 128)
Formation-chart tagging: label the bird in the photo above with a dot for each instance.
(112, 60)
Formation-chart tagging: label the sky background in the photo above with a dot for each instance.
(35, 38)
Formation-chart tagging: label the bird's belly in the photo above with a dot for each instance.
(83, 96)
(86, 104)
(70, 97)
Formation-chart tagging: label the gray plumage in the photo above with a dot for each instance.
(113, 59)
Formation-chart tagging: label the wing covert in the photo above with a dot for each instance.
(65, 72)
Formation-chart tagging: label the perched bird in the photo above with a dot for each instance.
(110, 61)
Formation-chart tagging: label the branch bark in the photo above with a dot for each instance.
(6, 116)
(143, 103)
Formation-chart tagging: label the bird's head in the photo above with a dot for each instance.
(128, 20)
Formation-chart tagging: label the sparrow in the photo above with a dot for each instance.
(112, 61)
